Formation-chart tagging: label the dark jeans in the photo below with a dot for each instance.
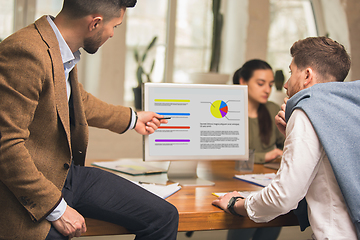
(98, 194)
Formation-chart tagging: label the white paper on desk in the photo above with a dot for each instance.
(261, 180)
(130, 166)
(162, 191)
(245, 194)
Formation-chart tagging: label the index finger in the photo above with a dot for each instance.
(158, 116)
(83, 229)
(283, 107)
(161, 118)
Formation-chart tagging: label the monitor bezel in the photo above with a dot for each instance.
(145, 107)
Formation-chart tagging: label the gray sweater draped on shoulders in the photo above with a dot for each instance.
(334, 111)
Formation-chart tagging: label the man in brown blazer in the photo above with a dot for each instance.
(45, 190)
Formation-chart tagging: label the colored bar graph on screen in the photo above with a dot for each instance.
(174, 114)
(174, 127)
(171, 100)
(172, 140)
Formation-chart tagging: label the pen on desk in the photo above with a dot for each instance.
(142, 182)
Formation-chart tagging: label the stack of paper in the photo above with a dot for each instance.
(261, 180)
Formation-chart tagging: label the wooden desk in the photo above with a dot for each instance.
(194, 203)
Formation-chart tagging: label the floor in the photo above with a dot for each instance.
(287, 233)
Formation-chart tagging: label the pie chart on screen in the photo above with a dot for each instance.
(219, 109)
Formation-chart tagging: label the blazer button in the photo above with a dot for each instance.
(66, 166)
(24, 201)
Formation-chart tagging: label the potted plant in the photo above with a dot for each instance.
(278, 95)
(213, 76)
(279, 79)
(140, 72)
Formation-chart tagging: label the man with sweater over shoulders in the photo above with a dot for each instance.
(45, 189)
(321, 156)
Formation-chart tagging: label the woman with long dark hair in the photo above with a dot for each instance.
(264, 136)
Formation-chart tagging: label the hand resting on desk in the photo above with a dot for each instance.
(222, 202)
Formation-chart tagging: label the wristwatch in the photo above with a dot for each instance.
(231, 205)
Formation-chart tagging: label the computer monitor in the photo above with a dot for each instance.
(207, 122)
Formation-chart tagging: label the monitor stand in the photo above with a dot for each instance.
(184, 172)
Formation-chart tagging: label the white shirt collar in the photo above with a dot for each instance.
(66, 54)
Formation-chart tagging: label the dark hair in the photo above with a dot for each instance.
(326, 56)
(107, 8)
(264, 118)
(247, 70)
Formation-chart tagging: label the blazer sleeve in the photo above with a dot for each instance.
(22, 74)
(100, 114)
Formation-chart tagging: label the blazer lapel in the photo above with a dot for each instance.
(50, 39)
(79, 126)
(61, 95)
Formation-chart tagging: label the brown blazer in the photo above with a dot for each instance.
(35, 138)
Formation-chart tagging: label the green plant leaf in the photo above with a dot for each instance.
(148, 77)
(140, 70)
(152, 66)
(144, 56)
(136, 55)
(139, 74)
(152, 43)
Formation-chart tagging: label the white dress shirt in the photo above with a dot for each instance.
(305, 171)
(69, 61)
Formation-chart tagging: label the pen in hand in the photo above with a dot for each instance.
(164, 118)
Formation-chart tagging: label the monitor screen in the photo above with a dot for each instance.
(206, 122)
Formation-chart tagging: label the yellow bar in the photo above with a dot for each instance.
(171, 100)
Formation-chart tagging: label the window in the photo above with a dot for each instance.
(189, 44)
(290, 20)
(47, 7)
(6, 18)
(147, 20)
(193, 38)
(18, 14)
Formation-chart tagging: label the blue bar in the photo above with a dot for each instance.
(175, 114)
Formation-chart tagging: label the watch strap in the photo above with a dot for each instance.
(231, 205)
